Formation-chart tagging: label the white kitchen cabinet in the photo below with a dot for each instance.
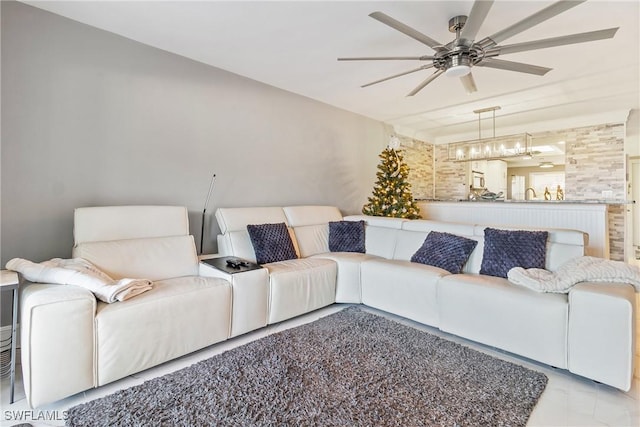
(476, 173)
(495, 176)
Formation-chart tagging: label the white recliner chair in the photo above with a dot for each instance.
(72, 342)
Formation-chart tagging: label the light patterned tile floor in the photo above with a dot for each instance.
(568, 400)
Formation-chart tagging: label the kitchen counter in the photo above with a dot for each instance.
(588, 216)
(562, 202)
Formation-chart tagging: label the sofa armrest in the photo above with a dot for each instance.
(57, 341)
(602, 332)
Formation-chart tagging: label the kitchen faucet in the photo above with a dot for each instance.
(532, 190)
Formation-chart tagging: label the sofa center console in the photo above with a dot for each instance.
(231, 264)
(249, 288)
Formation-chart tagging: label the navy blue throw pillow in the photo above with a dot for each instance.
(505, 249)
(346, 236)
(271, 242)
(445, 250)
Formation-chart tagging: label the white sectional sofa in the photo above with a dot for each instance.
(590, 331)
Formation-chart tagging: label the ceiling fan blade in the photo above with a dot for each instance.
(557, 41)
(424, 67)
(388, 58)
(421, 86)
(513, 66)
(468, 83)
(405, 29)
(476, 17)
(533, 20)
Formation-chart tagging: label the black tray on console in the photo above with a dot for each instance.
(221, 264)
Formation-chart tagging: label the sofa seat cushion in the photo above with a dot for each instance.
(178, 316)
(403, 288)
(492, 311)
(348, 288)
(297, 286)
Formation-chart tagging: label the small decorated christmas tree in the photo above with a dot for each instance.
(392, 193)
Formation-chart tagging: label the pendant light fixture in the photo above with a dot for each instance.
(501, 147)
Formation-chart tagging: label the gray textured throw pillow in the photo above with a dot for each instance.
(505, 249)
(445, 250)
(271, 242)
(347, 236)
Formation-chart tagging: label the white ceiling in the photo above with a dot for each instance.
(294, 45)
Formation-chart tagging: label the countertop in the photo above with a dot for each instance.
(581, 202)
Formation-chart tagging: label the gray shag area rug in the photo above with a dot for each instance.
(351, 368)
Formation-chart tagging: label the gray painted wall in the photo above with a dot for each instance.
(90, 118)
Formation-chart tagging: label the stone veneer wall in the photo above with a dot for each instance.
(418, 156)
(595, 152)
(616, 232)
(594, 162)
(451, 177)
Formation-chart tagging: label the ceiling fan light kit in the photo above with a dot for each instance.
(457, 58)
(458, 70)
(458, 66)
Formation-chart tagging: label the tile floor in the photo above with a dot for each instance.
(568, 400)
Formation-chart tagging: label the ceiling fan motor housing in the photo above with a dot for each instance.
(461, 54)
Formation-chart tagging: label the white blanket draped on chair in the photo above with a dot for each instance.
(581, 269)
(80, 272)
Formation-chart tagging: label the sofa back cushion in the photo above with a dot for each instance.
(408, 242)
(235, 240)
(146, 242)
(414, 233)
(156, 258)
(563, 245)
(310, 226)
(104, 223)
(300, 216)
(381, 234)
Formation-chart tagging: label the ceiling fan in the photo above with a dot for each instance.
(457, 58)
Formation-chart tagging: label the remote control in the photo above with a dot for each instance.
(235, 263)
